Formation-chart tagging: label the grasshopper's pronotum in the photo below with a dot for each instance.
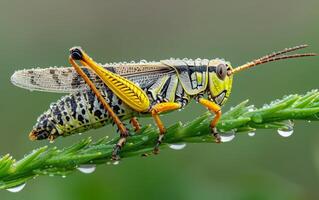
(100, 94)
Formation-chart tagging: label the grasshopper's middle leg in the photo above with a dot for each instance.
(155, 111)
(122, 129)
(135, 124)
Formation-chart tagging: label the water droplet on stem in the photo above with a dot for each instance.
(251, 134)
(285, 132)
(86, 169)
(177, 146)
(116, 162)
(227, 137)
(17, 188)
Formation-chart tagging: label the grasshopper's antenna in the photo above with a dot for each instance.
(273, 57)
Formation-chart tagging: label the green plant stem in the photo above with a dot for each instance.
(242, 118)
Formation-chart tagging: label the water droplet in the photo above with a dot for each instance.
(309, 121)
(285, 132)
(145, 138)
(227, 137)
(177, 146)
(143, 61)
(80, 133)
(63, 176)
(16, 188)
(265, 106)
(86, 169)
(116, 162)
(251, 134)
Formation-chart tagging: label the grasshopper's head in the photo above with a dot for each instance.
(221, 73)
(220, 81)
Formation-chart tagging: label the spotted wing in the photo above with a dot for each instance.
(66, 80)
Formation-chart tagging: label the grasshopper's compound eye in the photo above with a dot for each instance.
(76, 53)
(221, 71)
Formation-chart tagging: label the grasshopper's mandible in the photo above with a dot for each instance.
(100, 94)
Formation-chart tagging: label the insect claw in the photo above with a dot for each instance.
(158, 143)
(216, 135)
(116, 152)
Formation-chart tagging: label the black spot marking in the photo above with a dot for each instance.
(98, 113)
(80, 118)
(116, 109)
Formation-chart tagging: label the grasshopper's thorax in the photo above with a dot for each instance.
(219, 81)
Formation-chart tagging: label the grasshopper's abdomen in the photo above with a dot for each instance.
(76, 113)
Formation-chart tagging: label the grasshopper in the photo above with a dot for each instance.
(101, 94)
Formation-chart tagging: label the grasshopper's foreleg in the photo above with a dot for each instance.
(122, 129)
(213, 107)
(155, 111)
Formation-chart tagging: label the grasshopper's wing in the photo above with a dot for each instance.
(193, 74)
(66, 80)
(53, 79)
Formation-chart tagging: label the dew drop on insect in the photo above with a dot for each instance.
(80, 133)
(16, 188)
(285, 132)
(177, 146)
(63, 176)
(251, 134)
(86, 169)
(143, 61)
(227, 137)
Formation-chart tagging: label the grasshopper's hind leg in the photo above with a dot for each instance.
(155, 111)
(122, 129)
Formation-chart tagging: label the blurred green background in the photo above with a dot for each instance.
(38, 33)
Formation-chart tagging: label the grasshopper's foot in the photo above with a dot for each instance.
(158, 143)
(117, 149)
(216, 135)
